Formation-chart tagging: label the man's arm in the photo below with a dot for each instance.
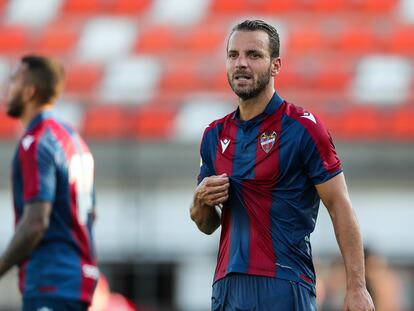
(334, 195)
(210, 192)
(29, 232)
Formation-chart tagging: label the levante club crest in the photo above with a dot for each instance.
(267, 140)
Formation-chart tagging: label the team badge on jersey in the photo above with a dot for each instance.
(267, 140)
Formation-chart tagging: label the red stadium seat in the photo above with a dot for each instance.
(304, 39)
(326, 6)
(362, 123)
(402, 123)
(128, 7)
(3, 4)
(275, 6)
(183, 76)
(153, 122)
(156, 40)
(106, 122)
(204, 40)
(14, 40)
(229, 6)
(358, 40)
(84, 7)
(57, 41)
(402, 40)
(83, 77)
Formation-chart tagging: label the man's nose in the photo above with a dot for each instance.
(241, 61)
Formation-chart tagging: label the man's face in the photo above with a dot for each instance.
(15, 99)
(249, 65)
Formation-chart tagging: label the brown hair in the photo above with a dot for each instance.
(46, 74)
(254, 25)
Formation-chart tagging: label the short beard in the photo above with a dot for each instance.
(258, 87)
(15, 107)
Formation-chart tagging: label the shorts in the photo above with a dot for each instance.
(242, 292)
(53, 304)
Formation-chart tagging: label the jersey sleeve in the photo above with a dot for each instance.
(319, 156)
(206, 163)
(39, 171)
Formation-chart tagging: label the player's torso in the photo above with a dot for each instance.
(57, 266)
(271, 201)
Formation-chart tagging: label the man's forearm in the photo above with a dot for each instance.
(206, 217)
(350, 243)
(22, 244)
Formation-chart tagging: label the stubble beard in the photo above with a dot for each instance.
(15, 106)
(258, 86)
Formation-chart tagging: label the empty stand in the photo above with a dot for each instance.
(343, 58)
(14, 40)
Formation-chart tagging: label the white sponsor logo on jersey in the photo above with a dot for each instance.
(309, 116)
(27, 141)
(224, 144)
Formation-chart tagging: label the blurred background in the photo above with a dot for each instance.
(145, 77)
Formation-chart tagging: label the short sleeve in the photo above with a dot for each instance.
(38, 170)
(319, 156)
(206, 163)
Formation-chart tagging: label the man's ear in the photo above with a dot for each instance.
(276, 64)
(29, 93)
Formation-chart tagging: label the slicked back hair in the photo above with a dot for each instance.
(259, 25)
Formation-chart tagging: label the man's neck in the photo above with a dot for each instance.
(32, 111)
(252, 107)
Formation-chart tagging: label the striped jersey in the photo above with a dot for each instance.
(52, 163)
(273, 162)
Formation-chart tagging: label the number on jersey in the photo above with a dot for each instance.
(81, 173)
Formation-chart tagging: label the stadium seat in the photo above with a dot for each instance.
(153, 122)
(155, 40)
(106, 39)
(131, 80)
(326, 6)
(106, 122)
(402, 125)
(229, 6)
(84, 7)
(305, 39)
(182, 76)
(358, 39)
(362, 123)
(204, 40)
(56, 41)
(402, 40)
(82, 77)
(14, 40)
(128, 7)
(179, 12)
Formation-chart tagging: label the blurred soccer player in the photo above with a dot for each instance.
(53, 191)
(268, 164)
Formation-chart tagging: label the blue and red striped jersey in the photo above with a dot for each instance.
(52, 163)
(273, 162)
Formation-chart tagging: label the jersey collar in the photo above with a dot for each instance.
(47, 114)
(273, 105)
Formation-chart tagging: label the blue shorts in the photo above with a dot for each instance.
(53, 304)
(242, 292)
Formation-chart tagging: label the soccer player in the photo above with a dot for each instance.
(53, 192)
(264, 169)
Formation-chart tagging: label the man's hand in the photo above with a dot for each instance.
(358, 300)
(212, 191)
